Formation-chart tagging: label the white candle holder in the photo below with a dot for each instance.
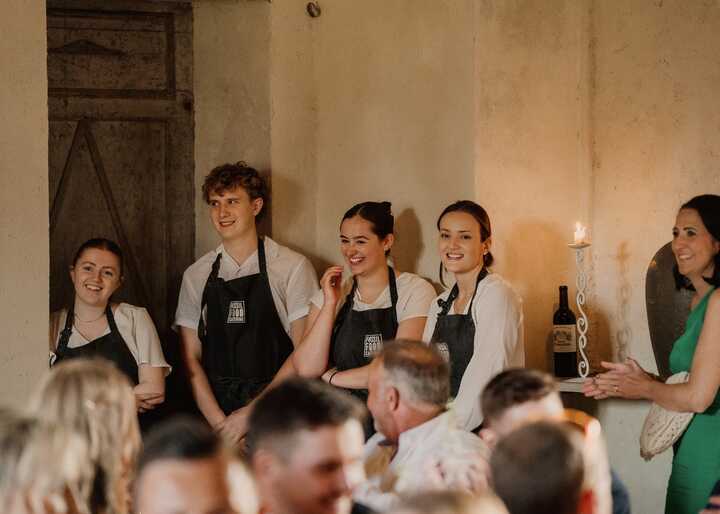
(582, 320)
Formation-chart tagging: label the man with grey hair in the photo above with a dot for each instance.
(419, 445)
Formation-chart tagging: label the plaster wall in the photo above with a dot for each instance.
(602, 112)
(532, 167)
(232, 94)
(656, 124)
(23, 199)
(394, 84)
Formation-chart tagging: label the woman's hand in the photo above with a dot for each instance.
(328, 375)
(622, 380)
(331, 284)
(234, 427)
(148, 401)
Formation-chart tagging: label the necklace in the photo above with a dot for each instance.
(88, 321)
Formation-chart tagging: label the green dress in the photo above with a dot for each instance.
(696, 463)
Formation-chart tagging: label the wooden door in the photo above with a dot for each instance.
(121, 143)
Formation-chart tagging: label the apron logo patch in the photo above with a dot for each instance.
(373, 344)
(444, 350)
(236, 312)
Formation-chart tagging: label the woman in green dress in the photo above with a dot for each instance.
(696, 461)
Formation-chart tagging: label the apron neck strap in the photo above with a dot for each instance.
(446, 304)
(262, 263)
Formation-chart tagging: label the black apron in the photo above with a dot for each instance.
(454, 335)
(244, 343)
(358, 335)
(111, 346)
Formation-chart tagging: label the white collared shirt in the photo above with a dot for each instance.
(498, 316)
(414, 297)
(292, 282)
(136, 328)
(421, 451)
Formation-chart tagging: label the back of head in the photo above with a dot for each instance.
(451, 502)
(511, 388)
(295, 405)
(180, 438)
(43, 465)
(92, 398)
(539, 468)
(417, 370)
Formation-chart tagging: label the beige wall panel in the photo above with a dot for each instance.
(532, 165)
(232, 94)
(394, 108)
(657, 121)
(23, 199)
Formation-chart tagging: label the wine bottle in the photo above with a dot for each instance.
(564, 338)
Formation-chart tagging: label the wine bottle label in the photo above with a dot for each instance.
(564, 340)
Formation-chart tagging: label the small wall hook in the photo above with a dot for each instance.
(313, 9)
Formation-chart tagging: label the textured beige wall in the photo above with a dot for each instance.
(395, 120)
(532, 166)
(293, 98)
(603, 112)
(232, 93)
(23, 199)
(656, 118)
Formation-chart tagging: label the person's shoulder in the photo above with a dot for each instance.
(713, 305)
(413, 281)
(281, 253)
(497, 285)
(132, 312)
(203, 264)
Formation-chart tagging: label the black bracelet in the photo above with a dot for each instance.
(331, 376)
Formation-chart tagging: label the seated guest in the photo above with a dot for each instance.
(418, 445)
(538, 468)
(93, 399)
(94, 326)
(451, 502)
(517, 396)
(184, 467)
(305, 440)
(44, 469)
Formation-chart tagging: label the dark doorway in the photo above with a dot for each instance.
(121, 145)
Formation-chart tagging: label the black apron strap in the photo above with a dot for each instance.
(66, 332)
(446, 304)
(392, 284)
(262, 263)
(202, 329)
(347, 307)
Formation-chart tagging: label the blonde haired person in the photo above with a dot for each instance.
(44, 469)
(91, 398)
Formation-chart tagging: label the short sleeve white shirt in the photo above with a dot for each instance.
(414, 297)
(136, 328)
(499, 342)
(292, 282)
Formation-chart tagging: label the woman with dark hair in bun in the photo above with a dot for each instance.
(349, 321)
(478, 322)
(696, 455)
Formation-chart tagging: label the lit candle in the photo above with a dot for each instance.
(579, 233)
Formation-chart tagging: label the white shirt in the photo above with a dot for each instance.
(437, 443)
(292, 281)
(136, 328)
(414, 297)
(498, 316)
